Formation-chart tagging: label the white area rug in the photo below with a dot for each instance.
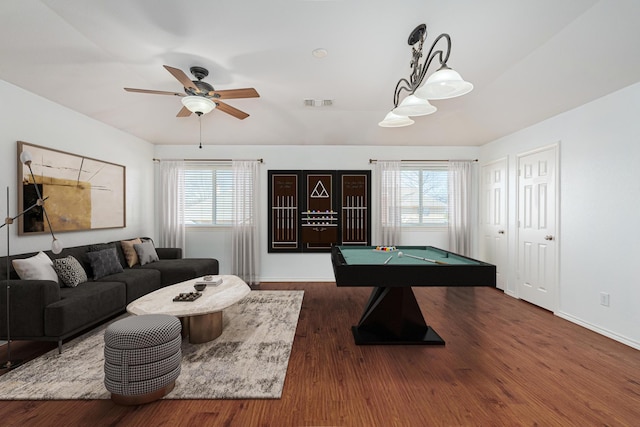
(248, 361)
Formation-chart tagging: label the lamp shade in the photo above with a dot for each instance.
(56, 246)
(198, 104)
(414, 106)
(25, 157)
(392, 120)
(444, 84)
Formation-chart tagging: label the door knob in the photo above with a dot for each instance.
(548, 237)
(500, 231)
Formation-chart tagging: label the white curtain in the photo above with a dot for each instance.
(460, 181)
(388, 183)
(245, 239)
(172, 204)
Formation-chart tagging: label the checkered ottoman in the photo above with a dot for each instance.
(142, 357)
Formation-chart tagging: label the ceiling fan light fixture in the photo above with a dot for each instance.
(414, 106)
(444, 84)
(198, 104)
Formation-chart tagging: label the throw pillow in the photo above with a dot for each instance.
(104, 263)
(146, 252)
(38, 267)
(129, 251)
(102, 246)
(69, 271)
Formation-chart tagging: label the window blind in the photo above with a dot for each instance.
(208, 195)
(424, 194)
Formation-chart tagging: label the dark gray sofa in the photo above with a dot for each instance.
(43, 310)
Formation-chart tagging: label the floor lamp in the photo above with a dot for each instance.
(56, 248)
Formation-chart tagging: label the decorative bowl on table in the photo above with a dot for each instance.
(200, 286)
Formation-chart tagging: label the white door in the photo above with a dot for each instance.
(537, 192)
(494, 218)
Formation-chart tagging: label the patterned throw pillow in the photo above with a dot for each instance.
(69, 271)
(102, 246)
(104, 262)
(146, 252)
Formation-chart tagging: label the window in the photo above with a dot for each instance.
(208, 195)
(424, 195)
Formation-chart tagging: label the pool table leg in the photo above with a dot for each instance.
(392, 316)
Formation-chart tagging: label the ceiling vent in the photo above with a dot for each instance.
(318, 102)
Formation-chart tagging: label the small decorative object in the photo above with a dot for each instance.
(210, 281)
(187, 296)
(200, 286)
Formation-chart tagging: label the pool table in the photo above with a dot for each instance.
(392, 314)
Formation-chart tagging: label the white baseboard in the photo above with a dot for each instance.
(599, 330)
(511, 294)
(290, 279)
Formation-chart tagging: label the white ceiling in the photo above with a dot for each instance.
(528, 59)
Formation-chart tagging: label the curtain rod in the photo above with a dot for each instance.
(429, 160)
(208, 160)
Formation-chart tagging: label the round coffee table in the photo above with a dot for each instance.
(202, 318)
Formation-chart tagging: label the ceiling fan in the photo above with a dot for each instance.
(202, 93)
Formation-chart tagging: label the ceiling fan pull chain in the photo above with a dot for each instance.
(200, 121)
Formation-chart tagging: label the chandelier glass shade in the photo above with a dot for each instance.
(393, 120)
(413, 105)
(444, 84)
(198, 104)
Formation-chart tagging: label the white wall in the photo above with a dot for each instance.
(302, 266)
(599, 234)
(30, 118)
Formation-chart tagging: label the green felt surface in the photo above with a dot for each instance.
(367, 255)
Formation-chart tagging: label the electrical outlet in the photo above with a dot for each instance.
(604, 299)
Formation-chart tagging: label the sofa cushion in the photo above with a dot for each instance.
(129, 251)
(104, 263)
(179, 270)
(39, 267)
(146, 252)
(138, 281)
(69, 271)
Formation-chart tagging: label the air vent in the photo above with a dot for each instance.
(318, 102)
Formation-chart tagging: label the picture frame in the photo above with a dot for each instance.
(80, 193)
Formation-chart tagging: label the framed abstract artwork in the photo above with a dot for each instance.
(80, 193)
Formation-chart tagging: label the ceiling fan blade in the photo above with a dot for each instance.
(184, 112)
(231, 110)
(248, 92)
(182, 77)
(155, 92)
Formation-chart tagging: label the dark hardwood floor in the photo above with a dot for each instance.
(506, 363)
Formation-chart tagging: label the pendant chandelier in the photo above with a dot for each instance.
(445, 83)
